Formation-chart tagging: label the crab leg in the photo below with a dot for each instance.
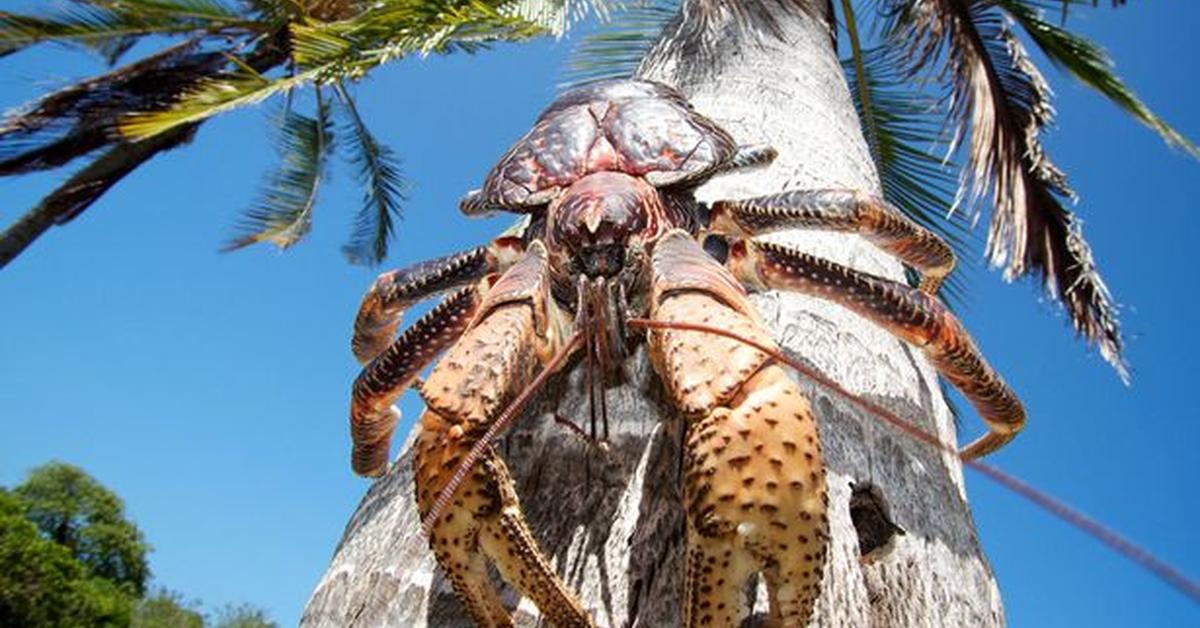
(749, 156)
(840, 210)
(395, 291)
(910, 314)
(517, 330)
(754, 477)
(388, 375)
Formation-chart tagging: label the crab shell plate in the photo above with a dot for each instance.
(640, 128)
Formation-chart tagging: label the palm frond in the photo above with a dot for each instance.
(205, 10)
(559, 16)
(1089, 63)
(241, 87)
(1000, 98)
(282, 215)
(617, 49)
(81, 117)
(329, 51)
(109, 26)
(392, 29)
(384, 186)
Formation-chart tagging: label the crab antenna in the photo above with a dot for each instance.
(497, 428)
(1056, 507)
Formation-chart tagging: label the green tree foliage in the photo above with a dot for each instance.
(42, 584)
(69, 558)
(78, 513)
(242, 616)
(164, 608)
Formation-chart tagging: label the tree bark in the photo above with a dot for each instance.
(615, 531)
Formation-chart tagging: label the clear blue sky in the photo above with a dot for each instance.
(210, 391)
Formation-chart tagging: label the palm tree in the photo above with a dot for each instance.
(768, 71)
(221, 56)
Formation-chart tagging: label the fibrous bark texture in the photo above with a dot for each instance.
(612, 521)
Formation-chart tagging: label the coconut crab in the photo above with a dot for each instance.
(618, 251)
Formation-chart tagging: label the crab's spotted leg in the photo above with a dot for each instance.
(754, 479)
(517, 330)
(395, 291)
(910, 314)
(840, 210)
(372, 418)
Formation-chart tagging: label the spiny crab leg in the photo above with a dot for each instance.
(849, 211)
(753, 472)
(391, 372)
(394, 292)
(908, 313)
(496, 430)
(518, 331)
(1056, 507)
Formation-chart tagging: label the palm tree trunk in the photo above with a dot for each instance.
(615, 530)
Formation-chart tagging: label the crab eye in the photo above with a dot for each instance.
(717, 246)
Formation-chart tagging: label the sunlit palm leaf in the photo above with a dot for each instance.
(210, 97)
(384, 187)
(107, 26)
(558, 16)
(1088, 62)
(1002, 101)
(392, 30)
(283, 213)
(617, 49)
(206, 10)
(328, 51)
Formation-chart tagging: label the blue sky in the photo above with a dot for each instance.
(210, 391)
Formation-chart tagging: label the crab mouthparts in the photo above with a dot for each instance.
(605, 260)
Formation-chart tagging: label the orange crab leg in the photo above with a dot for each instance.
(910, 314)
(395, 291)
(517, 330)
(840, 210)
(754, 477)
(1056, 507)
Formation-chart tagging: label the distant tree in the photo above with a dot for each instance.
(43, 585)
(70, 558)
(163, 608)
(75, 511)
(243, 616)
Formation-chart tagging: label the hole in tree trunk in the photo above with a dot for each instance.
(872, 521)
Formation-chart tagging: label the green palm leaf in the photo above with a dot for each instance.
(109, 26)
(283, 213)
(239, 88)
(328, 51)
(384, 187)
(617, 49)
(1089, 63)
